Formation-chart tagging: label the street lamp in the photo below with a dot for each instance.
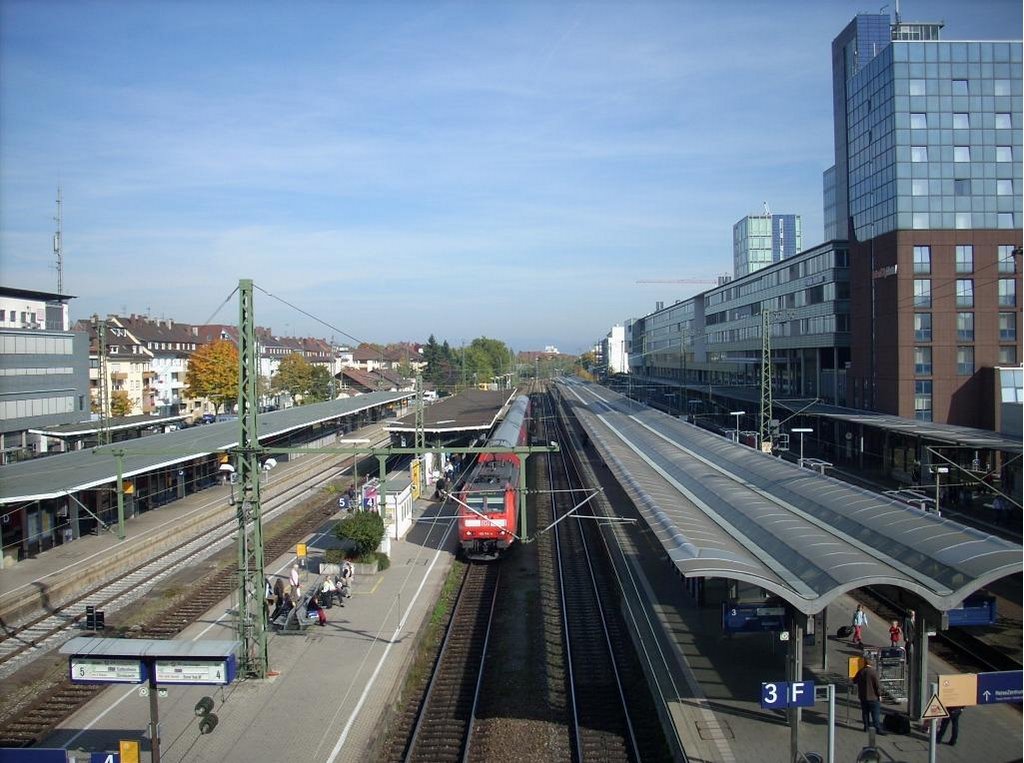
(737, 414)
(802, 431)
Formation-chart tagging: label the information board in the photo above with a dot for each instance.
(192, 672)
(106, 670)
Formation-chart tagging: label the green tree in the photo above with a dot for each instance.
(294, 376)
(365, 529)
(213, 373)
(321, 385)
(120, 404)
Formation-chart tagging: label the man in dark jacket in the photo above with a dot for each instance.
(869, 691)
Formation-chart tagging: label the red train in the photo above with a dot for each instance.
(490, 490)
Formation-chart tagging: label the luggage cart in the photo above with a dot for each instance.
(891, 666)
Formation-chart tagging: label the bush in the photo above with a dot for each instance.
(383, 561)
(335, 555)
(365, 529)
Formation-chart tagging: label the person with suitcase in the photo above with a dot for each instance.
(860, 621)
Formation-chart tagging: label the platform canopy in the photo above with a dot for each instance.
(470, 411)
(59, 474)
(724, 510)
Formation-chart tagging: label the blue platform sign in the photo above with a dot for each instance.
(1005, 686)
(779, 694)
(747, 618)
(105, 757)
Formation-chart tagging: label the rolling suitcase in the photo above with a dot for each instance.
(845, 631)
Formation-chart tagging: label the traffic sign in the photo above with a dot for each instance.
(934, 709)
(1005, 686)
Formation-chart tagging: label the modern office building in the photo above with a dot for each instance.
(760, 240)
(45, 370)
(927, 185)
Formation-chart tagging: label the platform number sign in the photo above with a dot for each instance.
(778, 694)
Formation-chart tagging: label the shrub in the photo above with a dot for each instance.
(365, 529)
(335, 555)
(383, 561)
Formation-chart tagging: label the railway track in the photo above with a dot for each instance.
(602, 725)
(443, 730)
(32, 723)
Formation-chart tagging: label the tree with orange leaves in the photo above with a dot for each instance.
(213, 373)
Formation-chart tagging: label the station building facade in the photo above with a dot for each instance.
(45, 370)
(928, 181)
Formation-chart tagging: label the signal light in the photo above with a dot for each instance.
(208, 720)
(204, 707)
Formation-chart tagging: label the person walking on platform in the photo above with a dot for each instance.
(869, 692)
(954, 718)
(909, 631)
(860, 621)
(895, 633)
(293, 578)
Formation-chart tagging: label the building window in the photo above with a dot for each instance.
(1006, 261)
(923, 260)
(919, 187)
(1001, 87)
(1004, 188)
(960, 87)
(922, 292)
(920, 154)
(923, 361)
(961, 122)
(1003, 122)
(1005, 220)
(918, 87)
(962, 221)
(920, 221)
(1004, 153)
(1007, 327)
(965, 327)
(965, 259)
(1007, 292)
(1007, 356)
(961, 187)
(961, 153)
(918, 121)
(922, 327)
(923, 400)
(965, 292)
(964, 361)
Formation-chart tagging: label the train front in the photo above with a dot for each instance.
(488, 526)
(488, 501)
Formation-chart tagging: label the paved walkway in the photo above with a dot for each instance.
(333, 684)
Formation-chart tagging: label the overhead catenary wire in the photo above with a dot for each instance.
(309, 315)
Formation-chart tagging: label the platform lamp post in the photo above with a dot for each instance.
(737, 414)
(939, 471)
(801, 431)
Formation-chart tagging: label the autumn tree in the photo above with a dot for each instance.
(213, 373)
(120, 404)
(321, 385)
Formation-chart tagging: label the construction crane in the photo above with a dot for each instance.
(718, 281)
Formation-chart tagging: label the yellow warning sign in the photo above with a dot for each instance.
(934, 709)
(300, 549)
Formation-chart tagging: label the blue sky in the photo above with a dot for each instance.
(506, 169)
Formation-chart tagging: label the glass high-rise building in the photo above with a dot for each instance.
(927, 188)
(760, 240)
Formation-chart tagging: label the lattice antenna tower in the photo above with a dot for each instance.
(58, 243)
(765, 417)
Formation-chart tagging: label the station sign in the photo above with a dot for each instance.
(106, 670)
(780, 694)
(1005, 686)
(195, 671)
(752, 618)
(967, 689)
